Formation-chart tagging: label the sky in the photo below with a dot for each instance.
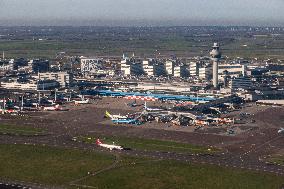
(142, 12)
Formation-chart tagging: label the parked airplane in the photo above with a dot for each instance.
(52, 108)
(153, 108)
(200, 122)
(9, 111)
(109, 146)
(223, 120)
(81, 101)
(281, 130)
(127, 121)
(114, 117)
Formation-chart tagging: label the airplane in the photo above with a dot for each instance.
(52, 108)
(281, 130)
(81, 101)
(200, 122)
(127, 121)
(9, 111)
(153, 108)
(114, 117)
(109, 146)
(223, 120)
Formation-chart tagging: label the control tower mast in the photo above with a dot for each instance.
(215, 57)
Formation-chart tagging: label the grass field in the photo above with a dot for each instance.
(59, 167)
(50, 166)
(149, 144)
(19, 130)
(267, 47)
(176, 175)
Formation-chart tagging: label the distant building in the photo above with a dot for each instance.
(205, 73)
(231, 70)
(170, 67)
(215, 55)
(240, 83)
(194, 69)
(89, 65)
(63, 78)
(152, 68)
(181, 71)
(20, 63)
(6, 65)
(30, 85)
(148, 69)
(131, 68)
(39, 65)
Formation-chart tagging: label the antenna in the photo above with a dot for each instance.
(3, 55)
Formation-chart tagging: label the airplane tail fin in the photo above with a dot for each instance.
(107, 114)
(98, 142)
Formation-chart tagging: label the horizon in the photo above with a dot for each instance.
(142, 13)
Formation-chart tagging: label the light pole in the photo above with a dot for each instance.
(55, 97)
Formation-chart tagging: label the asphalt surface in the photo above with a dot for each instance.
(245, 151)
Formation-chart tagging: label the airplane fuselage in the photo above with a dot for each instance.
(111, 147)
(281, 131)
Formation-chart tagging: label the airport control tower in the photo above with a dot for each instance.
(215, 56)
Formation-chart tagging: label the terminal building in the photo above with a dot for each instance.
(231, 70)
(31, 85)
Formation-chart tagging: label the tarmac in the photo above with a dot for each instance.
(247, 150)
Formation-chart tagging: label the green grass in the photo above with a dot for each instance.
(58, 167)
(149, 144)
(19, 130)
(166, 45)
(176, 175)
(46, 165)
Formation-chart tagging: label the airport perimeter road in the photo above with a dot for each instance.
(225, 159)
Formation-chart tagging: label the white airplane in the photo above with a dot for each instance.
(82, 101)
(153, 108)
(52, 108)
(281, 130)
(108, 146)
